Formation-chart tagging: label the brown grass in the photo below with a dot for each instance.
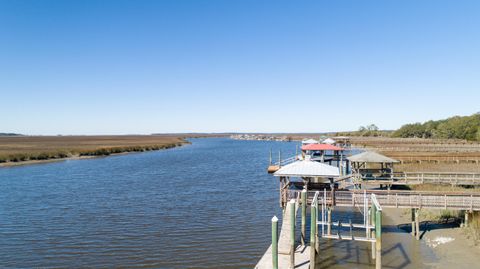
(438, 167)
(27, 148)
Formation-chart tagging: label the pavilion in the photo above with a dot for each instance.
(306, 174)
(372, 165)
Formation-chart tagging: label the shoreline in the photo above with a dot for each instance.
(85, 157)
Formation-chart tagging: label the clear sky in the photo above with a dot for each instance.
(117, 67)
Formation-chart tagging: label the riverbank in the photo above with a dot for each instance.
(42, 149)
(452, 245)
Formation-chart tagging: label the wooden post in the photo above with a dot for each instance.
(291, 204)
(317, 242)
(313, 237)
(417, 223)
(378, 239)
(413, 221)
(466, 218)
(329, 221)
(274, 242)
(270, 157)
(304, 215)
(373, 212)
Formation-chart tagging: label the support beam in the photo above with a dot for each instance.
(304, 215)
(313, 237)
(373, 213)
(413, 221)
(291, 204)
(417, 223)
(329, 221)
(466, 218)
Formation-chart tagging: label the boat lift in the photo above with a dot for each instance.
(372, 223)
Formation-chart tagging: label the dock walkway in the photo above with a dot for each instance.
(302, 259)
(402, 199)
(302, 253)
(416, 178)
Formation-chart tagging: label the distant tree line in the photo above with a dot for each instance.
(458, 127)
(10, 134)
(368, 130)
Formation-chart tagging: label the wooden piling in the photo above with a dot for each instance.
(304, 215)
(466, 219)
(313, 237)
(378, 239)
(413, 221)
(291, 204)
(275, 242)
(329, 221)
(417, 224)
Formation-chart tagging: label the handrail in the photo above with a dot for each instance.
(286, 161)
(375, 201)
(401, 199)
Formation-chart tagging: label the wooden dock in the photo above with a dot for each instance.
(438, 159)
(401, 199)
(302, 259)
(416, 178)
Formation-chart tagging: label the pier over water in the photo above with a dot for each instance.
(324, 175)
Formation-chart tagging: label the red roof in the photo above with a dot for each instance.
(321, 147)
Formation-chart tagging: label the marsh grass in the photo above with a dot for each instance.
(38, 148)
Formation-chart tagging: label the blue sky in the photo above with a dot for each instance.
(118, 67)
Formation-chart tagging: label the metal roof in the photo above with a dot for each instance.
(321, 147)
(371, 157)
(309, 141)
(341, 137)
(307, 168)
(328, 141)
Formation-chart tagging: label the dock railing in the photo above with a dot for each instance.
(413, 178)
(400, 199)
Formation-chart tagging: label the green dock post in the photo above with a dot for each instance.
(292, 233)
(313, 237)
(373, 212)
(275, 242)
(304, 215)
(378, 239)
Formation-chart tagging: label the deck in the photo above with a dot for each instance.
(302, 259)
(400, 199)
(416, 178)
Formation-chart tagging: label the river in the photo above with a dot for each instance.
(204, 205)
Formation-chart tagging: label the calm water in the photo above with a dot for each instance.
(205, 205)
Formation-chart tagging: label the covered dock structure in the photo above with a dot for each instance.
(371, 165)
(305, 174)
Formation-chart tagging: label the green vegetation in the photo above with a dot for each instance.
(466, 127)
(369, 130)
(10, 134)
